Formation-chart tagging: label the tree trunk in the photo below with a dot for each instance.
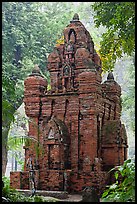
(4, 147)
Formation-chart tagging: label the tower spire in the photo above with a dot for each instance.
(110, 76)
(75, 18)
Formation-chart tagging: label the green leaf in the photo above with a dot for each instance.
(123, 191)
(113, 186)
(105, 194)
(116, 175)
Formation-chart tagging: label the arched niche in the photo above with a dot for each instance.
(72, 36)
(57, 144)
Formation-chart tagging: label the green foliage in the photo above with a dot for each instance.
(8, 94)
(122, 191)
(30, 30)
(128, 97)
(11, 194)
(14, 196)
(6, 189)
(18, 131)
(18, 137)
(119, 20)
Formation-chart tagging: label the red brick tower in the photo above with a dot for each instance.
(77, 123)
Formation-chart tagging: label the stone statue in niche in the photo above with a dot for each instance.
(53, 131)
(59, 81)
(66, 70)
(72, 37)
(69, 50)
(51, 134)
(97, 164)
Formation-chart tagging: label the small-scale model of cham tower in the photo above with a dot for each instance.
(76, 125)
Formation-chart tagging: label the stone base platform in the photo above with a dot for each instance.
(62, 196)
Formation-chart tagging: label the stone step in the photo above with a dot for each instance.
(72, 198)
(63, 196)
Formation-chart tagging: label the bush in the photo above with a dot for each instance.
(12, 195)
(124, 190)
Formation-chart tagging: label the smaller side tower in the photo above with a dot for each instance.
(113, 138)
(35, 88)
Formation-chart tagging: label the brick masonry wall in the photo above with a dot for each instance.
(19, 180)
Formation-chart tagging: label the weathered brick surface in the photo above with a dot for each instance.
(19, 180)
(76, 125)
